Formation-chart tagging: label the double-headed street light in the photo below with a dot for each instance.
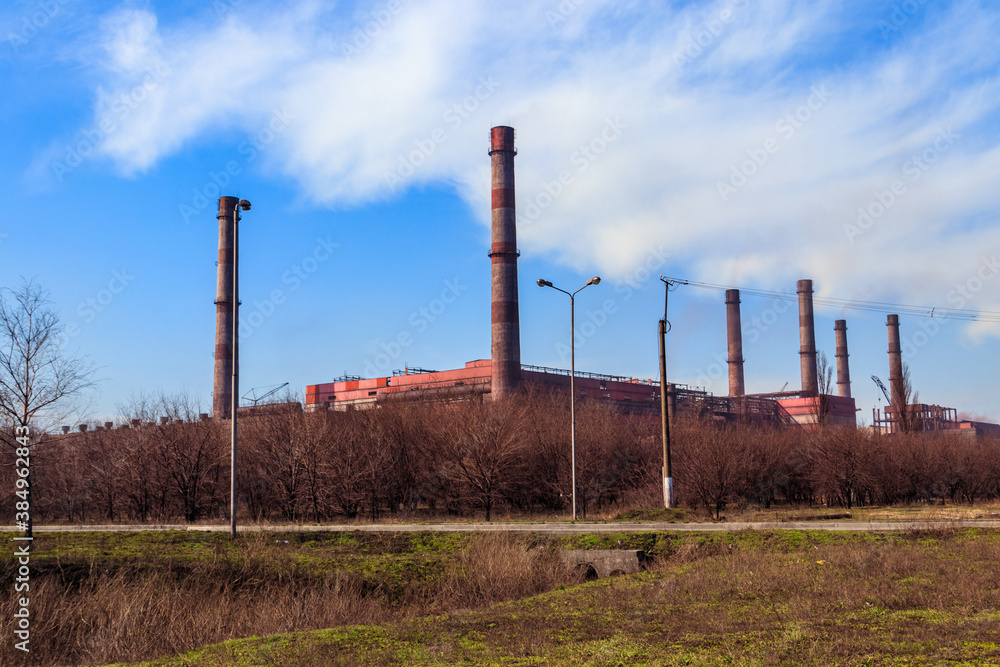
(572, 370)
(245, 205)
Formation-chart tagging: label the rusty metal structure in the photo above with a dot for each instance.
(924, 418)
(843, 368)
(222, 393)
(506, 328)
(807, 339)
(734, 327)
(900, 417)
(917, 417)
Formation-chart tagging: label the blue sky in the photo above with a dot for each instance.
(738, 143)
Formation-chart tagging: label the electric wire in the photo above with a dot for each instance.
(932, 312)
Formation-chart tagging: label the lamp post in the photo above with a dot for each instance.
(572, 370)
(245, 205)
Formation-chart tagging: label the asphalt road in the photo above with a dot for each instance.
(555, 528)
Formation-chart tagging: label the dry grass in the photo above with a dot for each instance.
(105, 611)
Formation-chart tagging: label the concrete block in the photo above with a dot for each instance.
(603, 563)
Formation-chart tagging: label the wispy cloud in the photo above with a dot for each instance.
(690, 122)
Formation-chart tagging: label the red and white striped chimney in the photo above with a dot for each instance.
(222, 392)
(843, 368)
(807, 340)
(896, 388)
(506, 348)
(734, 330)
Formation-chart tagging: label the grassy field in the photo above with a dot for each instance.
(101, 597)
(750, 598)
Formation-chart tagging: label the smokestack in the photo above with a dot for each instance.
(222, 394)
(807, 339)
(895, 361)
(735, 329)
(506, 348)
(843, 369)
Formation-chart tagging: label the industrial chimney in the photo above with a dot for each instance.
(807, 339)
(506, 348)
(895, 362)
(843, 369)
(735, 330)
(222, 393)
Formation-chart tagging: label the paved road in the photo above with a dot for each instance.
(555, 528)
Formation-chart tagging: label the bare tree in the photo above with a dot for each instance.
(192, 453)
(824, 372)
(841, 463)
(37, 377)
(711, 462)
(903, 398)
(485, 450)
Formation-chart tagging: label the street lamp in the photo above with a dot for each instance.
(572, 370)
(245, 205)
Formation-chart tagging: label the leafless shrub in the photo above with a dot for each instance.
(468, 457)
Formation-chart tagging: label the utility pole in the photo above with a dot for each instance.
(668, 477)
(668, 480)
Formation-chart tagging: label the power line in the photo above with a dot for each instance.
(933, 312)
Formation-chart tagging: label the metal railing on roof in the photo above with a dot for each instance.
(411, 371)
(592, 376)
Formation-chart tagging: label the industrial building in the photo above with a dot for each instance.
(917, 417)
(503, 373)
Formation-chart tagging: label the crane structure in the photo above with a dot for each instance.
(252, 397)
(885, 392)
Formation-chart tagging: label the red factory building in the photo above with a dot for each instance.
(476, 379)
(503, 373)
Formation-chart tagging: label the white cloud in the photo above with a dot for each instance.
(686, 117)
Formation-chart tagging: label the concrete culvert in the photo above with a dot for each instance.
(605, 562)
